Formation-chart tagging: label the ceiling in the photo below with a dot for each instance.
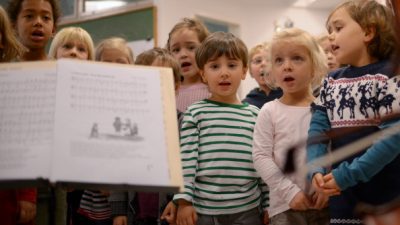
(325, 4)
(313, 4)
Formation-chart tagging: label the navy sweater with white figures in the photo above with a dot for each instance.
(354, 97)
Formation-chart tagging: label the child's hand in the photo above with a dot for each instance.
(105, 192)
(266, 217)
(320, 200)
(27, 211)
(169, 213)
(318, 182)
(186, 214)
(120, 220)
(330, 187)
(300, 202)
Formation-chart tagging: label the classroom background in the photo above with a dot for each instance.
(146, 23)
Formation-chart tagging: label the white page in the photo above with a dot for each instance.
(90, 146)
(27, 103)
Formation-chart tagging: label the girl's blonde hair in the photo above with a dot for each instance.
(71, 33)
(11, 48)
(317, 54)
(372, 16)
(114, 43)
(191, 24)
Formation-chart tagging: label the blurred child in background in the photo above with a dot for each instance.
(76, 43)
(183, 40)
(114, 50)
(259, 69)
(326, 45)
(144, 208)
(72, 42)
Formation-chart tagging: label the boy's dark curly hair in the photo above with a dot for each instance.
(14, 8)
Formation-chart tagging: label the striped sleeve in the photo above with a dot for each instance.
(264, 194)
(189, 155)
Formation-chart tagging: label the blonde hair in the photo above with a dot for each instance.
(72, 33)
(114, 43)
(372, 16)
(150, 56)
(191, 24)
(317, 54)
(11, 47)
(219, 44)
(321, 38)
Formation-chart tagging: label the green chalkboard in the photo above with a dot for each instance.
(132, 25)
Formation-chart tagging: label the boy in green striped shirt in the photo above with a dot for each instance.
(221, 184)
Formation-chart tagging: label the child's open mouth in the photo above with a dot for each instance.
(225, 83)
(334, 48)
(185, 65)
(288, 79)
(37, 35)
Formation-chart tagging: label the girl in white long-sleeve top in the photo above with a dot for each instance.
(297, 63)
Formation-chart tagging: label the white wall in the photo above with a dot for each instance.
(254, 18)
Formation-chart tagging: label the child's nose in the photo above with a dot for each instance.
(38, 21)
(183, 53)
(287, 65)
(225, 72)
(73, 52)
(331, 36)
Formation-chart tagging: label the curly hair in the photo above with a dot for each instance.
(14, 8)
(372, 16)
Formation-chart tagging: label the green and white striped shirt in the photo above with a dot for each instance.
(216, 151)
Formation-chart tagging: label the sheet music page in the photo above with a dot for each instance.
(109, 125)
(27, 103)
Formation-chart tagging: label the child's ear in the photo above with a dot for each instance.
(245, 73)
(53, 31)
(370, 33)
(203, 78)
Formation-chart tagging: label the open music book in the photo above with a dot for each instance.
(86, 124)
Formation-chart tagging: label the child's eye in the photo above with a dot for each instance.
(82, 49)
(214, 66)
(46, 18)
(175, 50)
(297, 58)
(257, 61)
(278, 60)
(192, 47)
(232, 65)
(28, 16)
(67, 46)
(338, 28)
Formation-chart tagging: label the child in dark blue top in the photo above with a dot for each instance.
(259, 64)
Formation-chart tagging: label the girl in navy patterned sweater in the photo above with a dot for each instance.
(361, 36)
